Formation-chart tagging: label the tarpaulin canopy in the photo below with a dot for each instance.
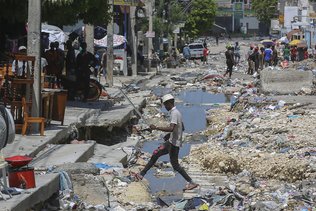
(55, 34)
(117, 40)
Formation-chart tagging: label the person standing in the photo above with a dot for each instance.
(103, 64)
(267, 56)
(70, 59)
(274, 56)
(261, 58)
(256, 59)
(293, 53)
(60, 62)
(250, 60)
(205, 53)
(217, 37)
(172, 144)
(237, 53)
(186, 52)
(229, 54)
(84, 61)
(286, 53)
(19, 68)
(51, 57)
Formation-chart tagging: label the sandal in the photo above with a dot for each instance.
(190, 186)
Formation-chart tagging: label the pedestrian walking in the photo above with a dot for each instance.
(172, 143)
(217, 37)
(84, 61)
(229, 54)
(267, 56)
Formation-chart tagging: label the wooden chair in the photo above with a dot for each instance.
(16, 87)
(29, 120)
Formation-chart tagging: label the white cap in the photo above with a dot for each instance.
(22, 48)
(167, 97)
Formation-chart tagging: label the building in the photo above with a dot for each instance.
(297, 19)
(236, 15)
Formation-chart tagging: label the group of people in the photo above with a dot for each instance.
(258, 58)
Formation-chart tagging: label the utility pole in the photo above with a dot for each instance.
(89, 37)
(109, 52)
(134, 40)
(150, 29)
(34, 49)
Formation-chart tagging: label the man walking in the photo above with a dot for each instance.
(229, 54)
(172, 144)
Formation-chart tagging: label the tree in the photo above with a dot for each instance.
(169, 13)
(58, 12)
(201, 17)
(265, 9)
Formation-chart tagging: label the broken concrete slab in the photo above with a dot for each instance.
(285, 82)
(120, 113)
(112, 155)
(61, 154)
(46, 186)
(78, 168)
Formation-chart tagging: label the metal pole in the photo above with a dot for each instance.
(137, 111)
(34, 49)
(134, 40)
(150, 29)
(125, 26)
(109, 64)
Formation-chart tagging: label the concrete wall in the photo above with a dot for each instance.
(253, 22)
(285, 82)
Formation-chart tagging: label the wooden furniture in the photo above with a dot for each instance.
(17, 86)
(29, 120)
(47, 106)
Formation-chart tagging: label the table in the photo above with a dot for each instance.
(47, 106)
(58, 102)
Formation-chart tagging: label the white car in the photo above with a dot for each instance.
(196, 50)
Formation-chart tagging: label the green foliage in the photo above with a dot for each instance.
(201, 17)
(12, 11)
(165, 25)
(58, 12)
(265, 9)
(69, 12)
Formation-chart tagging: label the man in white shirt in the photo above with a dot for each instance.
(172, 144)
(22, 65)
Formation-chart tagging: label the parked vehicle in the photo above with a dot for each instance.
(196, 50)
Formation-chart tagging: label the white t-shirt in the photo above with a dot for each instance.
(176, 135)
(19, 71)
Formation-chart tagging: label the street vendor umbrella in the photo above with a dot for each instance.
(294, 42)
(267, 42)
(284, 40)
(117, 40)
(302, 44)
